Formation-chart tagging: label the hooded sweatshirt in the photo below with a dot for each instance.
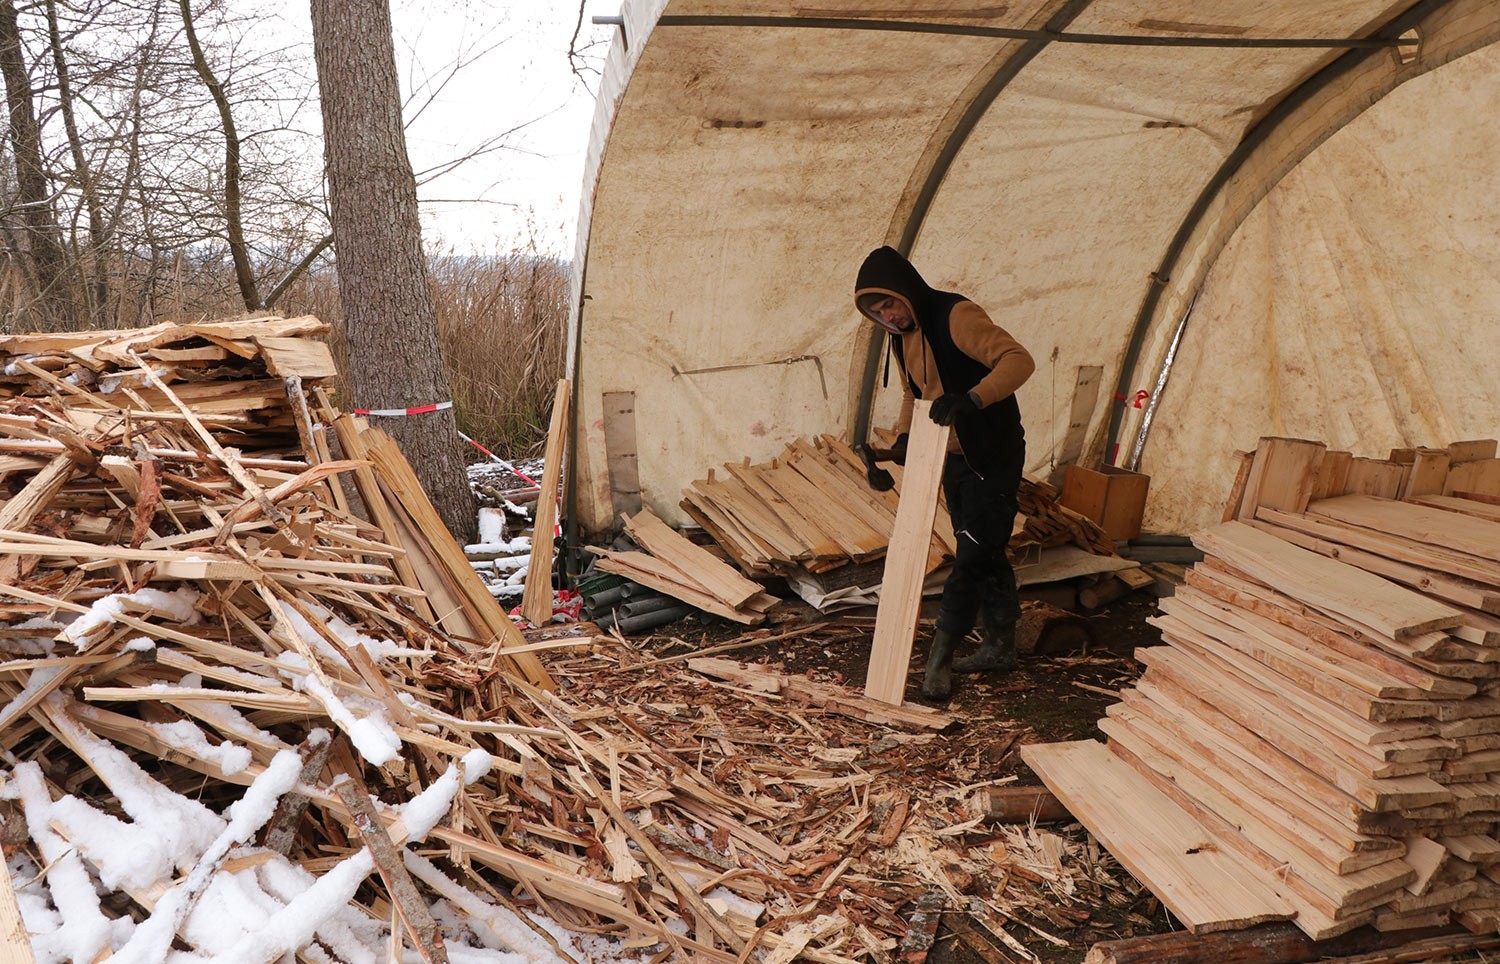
(955, 347)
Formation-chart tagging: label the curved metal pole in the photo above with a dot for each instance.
(1047, 34)
(1231, 166)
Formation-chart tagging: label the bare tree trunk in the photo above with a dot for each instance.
(93, 270)
(244, 273)
(390, 323)
(47, 262)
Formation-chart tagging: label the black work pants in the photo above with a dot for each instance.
(982, 581)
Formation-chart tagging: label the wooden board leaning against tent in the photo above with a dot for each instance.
(536, 604)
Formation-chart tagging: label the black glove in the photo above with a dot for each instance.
(953, 405)
(898, 449)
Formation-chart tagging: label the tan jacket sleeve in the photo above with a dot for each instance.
(986, 342)
(908, 405)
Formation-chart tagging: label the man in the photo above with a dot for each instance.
(952, 353)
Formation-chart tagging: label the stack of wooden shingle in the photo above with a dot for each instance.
(811, 509)
(1324, 720)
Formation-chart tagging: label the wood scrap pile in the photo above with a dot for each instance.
(1048, 522)
(231, 705)
(1320, 739)
(812, 510)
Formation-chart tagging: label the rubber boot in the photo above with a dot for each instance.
(997, 654)
(938, 684)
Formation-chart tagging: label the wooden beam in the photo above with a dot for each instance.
(1275, 944)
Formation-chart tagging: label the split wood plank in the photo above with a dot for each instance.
(736, 500)
(705, 568)
(1375, 477)
(1080, 415)
(822, 542)
(1196, 672)
(1279, 944)
(1473, 450)
(536, 603)
(18, 511)
(1331, 876)
(1450, 589)
(1240, 748)
(1474, 480)
(1223, 758)
(825, 510)
(832, 698)
(1376, 750)
(905, 561)
(1171, 852)
(1333, 477)
(1420, 523)
(300, 357)
(1330, 674)
(1315, 914)
(1434, 556)
(1482, 510)
(1325, 583)
(1244, 463)
(1282, 476)
(347, 430)
(1429, 471)
(1318, 630)
(832, 465)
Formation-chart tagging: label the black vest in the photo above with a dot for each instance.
(993, 440)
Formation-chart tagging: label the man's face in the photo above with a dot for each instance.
(893, 313)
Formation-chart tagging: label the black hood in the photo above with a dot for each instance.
(887, 272)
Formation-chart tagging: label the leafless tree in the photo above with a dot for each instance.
(40, 255)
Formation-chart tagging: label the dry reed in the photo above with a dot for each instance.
(501, 318)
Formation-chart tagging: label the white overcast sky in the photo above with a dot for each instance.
(516, 78)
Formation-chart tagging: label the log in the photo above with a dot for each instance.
(1269, 944)
(1020, 805)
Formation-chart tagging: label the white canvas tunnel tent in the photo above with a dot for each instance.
(1296, 202)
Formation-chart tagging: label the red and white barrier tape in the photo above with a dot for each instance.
(397, 412)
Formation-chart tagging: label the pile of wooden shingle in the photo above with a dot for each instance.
(812, 509)
(1320, 738)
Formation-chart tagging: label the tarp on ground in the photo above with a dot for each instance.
(1304, 193)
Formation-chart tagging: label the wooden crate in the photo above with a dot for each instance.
(1113, 497)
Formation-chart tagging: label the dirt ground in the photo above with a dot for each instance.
(1046, 699)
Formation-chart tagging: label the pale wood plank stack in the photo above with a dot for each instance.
(1327, 709)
